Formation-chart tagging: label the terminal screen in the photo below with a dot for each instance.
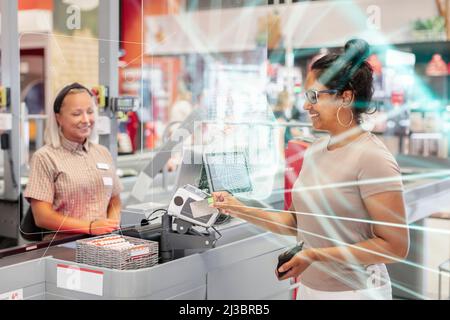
(228, 171)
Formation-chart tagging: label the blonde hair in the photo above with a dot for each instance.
(52, 135)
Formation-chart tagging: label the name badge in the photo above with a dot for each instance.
(107, 181)
(103, 166)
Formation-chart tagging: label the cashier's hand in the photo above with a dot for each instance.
(104, 226)
(227, 204)
(299, 263)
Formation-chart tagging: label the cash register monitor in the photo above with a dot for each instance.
(227, 171)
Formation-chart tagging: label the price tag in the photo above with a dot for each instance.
(79, 279)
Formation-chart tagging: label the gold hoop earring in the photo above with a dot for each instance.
(339, 120)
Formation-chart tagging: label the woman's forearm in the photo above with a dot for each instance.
(55, 221)
(373, 251)
(277, 222)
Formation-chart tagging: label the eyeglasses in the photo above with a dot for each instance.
(313, 95)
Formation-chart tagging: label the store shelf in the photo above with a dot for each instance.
(422, 50)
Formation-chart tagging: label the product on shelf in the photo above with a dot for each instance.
(436, 67)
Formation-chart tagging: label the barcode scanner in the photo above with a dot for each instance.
(286, 256)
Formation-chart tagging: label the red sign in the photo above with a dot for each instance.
(397, 98)
(36, 5)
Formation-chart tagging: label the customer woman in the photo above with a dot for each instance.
(73, 186)
(348, 204)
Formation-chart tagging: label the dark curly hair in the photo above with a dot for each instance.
(349, 71)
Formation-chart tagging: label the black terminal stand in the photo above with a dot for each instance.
(174, 243)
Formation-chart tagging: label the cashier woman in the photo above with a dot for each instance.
(348, 204)
(73, 186)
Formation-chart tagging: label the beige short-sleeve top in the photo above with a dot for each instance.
(332, 185)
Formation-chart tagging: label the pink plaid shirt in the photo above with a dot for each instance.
(78, 179)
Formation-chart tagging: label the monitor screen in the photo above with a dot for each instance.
(227, 171)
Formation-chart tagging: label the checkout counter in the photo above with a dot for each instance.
(241, 266)
(427, 190)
